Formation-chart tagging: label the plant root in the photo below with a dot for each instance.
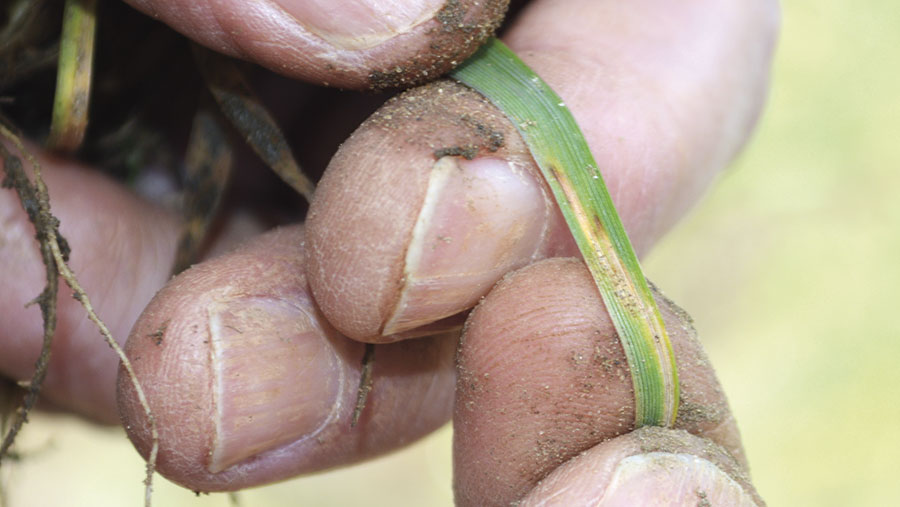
(55, 254)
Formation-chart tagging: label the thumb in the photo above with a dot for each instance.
(345, 43)
(650, 466)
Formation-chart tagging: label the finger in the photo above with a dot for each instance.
(650, 466)
(345, 43)
(122, 251)
(405, 229)
(542, 377)
(248, 384)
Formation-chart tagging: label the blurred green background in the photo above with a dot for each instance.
(789, 267)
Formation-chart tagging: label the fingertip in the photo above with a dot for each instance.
(348, 44)
(542, 376)
(650, 466)
(218, 353)
(422, 210)
(248, 384)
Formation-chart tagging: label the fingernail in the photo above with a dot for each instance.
(480, 219)
(661, 478)
(275, 377)
(362, 24)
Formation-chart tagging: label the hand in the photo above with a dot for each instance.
(250, 379)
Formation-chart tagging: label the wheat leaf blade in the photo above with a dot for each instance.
(559, 148)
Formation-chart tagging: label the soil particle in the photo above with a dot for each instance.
(654, 439)
(692, 413)
(467, 152)
(490, 140)
(461, 26)
(447, 119)
(702, 501)
(451, 15)
(493, 138)
(158, 335)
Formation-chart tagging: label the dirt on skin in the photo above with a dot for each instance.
(596, 366)
(478, 127)
(652, 439)
(457, 35)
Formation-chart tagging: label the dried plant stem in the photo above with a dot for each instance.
(58, 257)
(73, 78)
(250, 117)
(208, 167)
(365, 383)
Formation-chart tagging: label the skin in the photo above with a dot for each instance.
(359, 45)
(666, 96)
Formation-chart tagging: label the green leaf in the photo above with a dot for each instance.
(559, 148)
